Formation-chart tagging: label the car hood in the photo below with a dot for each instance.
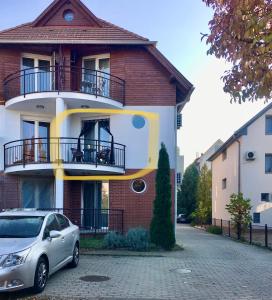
(13, 245)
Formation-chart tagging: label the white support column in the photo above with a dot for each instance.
(59, 190)
(59, 184)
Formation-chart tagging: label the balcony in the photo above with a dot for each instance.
(61, 79)
(78, 156)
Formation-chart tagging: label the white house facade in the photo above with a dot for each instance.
(244, 164)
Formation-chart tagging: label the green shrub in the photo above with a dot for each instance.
(214, 229)
(137, 239)
(113, 240)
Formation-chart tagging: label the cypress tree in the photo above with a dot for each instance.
(162, 229)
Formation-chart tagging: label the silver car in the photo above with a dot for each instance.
(33, 246)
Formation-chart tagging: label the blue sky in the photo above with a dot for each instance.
(176, 25)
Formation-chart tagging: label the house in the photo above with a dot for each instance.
(204, 157)
(244, 164)
(179, 168)
(68, 58)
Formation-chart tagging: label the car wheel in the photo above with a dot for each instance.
(75, 261)
(41, 275)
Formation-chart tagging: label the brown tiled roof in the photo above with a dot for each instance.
(108, 32)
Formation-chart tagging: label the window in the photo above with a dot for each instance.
(224, 155)
(138, 186)
(265, 197)
(268, 125)
(37, 193)
(68, 15)
(20, 227)
(64, 223)
(178, 178)
(256, 218)
(51, 224)
(35, 74)
(224, 183)
(95, 75)
(268, 163)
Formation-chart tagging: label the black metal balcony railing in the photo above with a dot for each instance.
(94, 221)
(64, 79)
(64, 150)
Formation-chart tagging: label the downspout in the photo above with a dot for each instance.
(239, 166)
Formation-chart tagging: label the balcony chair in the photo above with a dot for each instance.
(77, 155)
(103, 156)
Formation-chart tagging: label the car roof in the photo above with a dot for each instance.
(25, 212)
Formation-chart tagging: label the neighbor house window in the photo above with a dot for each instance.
(268, 163)
(224, 183)
(265, 197)
(224, 154)
(178, 178)
(256, 218)
(268, 125)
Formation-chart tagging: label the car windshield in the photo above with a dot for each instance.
(20, 226)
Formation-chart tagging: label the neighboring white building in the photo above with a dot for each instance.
(244, 164)
(203, 159)
(179, 168)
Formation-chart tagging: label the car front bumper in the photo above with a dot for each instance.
(16, 278)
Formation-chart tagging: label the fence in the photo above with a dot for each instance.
(253, 234)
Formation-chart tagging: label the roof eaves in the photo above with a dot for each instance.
(241, 131)
(74, 41)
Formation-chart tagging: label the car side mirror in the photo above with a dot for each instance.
(54, 234)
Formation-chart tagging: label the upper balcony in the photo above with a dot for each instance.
(56, 80)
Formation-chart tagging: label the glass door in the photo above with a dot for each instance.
(104, 77)
(44, 142)
(43, 76)
(29, 141)
(96, 82)
(36, 141)
(92, 200)
(89, 76)
(28, 76)
(35, 75)
(37, 193)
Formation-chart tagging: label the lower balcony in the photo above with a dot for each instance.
(77, 156)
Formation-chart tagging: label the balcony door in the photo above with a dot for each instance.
(95, 204)
(36, 146)
(35, 75)
(95, 76)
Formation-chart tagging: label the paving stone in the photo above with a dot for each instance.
(220, 269)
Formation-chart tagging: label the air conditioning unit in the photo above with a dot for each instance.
(250, 155)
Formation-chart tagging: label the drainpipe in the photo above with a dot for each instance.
(239, 166)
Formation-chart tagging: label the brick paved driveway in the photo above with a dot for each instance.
(220, 269)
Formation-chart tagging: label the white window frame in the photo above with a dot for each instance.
(36, 58)
(36, 121)
(97, 58)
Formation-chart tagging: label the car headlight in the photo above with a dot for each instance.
(14, 259)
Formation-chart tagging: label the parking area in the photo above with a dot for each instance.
(210, 267)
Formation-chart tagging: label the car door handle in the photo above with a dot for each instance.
(62, 239)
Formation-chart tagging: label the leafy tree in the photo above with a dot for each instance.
(186, 198)
(204, 196)
(239, 209)
(241, 33)
(162, 229)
